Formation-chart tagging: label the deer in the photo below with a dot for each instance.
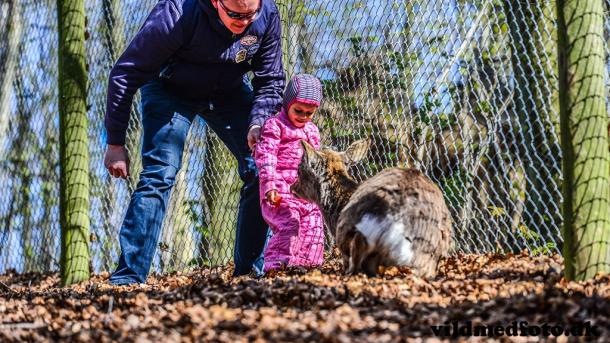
(397, 217)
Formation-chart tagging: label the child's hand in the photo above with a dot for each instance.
(273, 197)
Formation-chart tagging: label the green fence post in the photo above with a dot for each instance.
(584, 137)
(73, 142)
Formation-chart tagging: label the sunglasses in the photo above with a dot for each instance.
(240, 16)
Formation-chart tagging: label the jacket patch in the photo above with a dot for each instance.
(241, 55)
(248, 40)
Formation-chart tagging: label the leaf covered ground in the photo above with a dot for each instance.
(296, 305)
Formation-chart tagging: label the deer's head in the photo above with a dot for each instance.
(323, 176)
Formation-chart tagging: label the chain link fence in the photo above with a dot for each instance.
(464, 90)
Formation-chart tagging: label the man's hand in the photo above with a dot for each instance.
(116, 161)
(254, 134)
(273, 197)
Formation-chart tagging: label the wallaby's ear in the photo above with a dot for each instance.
(309, 153)
(356, 151)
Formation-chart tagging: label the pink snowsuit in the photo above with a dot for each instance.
(297, 225)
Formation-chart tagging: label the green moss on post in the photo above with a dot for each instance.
(74, 144)
(584, 137)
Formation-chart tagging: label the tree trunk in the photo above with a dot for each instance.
(10, 36)
(536, 106)
(18, 156)
(288, 55)
(584, 136)
(46, 254)
(74, 147)
(221, 191)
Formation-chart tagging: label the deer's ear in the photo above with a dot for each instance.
(356, 151)
(309, 153)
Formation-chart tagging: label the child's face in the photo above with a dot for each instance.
(300, 113)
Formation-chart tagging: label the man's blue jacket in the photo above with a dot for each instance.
(186, 45)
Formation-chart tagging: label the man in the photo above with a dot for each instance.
(191, 58)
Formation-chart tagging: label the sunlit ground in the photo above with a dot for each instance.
(298, 305)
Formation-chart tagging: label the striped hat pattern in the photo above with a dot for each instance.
(303, 88)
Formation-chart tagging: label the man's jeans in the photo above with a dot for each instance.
(166, 119)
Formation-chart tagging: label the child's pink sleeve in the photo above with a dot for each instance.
(265, 155)
(314, 136)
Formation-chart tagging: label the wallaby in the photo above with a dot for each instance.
(395, 218)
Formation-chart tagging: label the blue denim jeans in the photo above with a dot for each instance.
(166, 119)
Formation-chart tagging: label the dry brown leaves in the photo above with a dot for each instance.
(301, 305)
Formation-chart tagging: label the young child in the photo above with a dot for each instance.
(297, 226)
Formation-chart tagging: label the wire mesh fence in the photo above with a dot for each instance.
(464, 90)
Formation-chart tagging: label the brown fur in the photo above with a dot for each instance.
(324, 180)
(406, 196)
(397, 190)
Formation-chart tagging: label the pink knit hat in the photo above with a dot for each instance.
(303, 88)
